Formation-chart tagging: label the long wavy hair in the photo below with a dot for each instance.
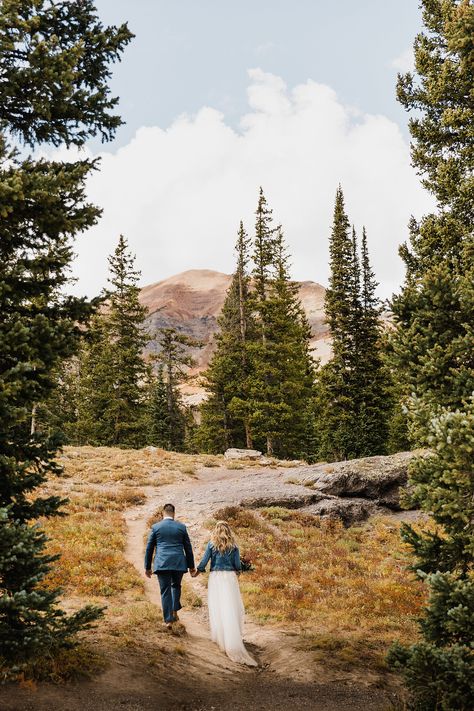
(222, 538)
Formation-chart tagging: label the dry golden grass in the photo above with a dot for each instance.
(347, 591)
(92, 564)
(100, 484)
(100, 500)
(132, 467)
(211, 460)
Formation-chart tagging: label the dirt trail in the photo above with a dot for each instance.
(206, 680)
(275, 649)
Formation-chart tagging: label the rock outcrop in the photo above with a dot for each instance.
(375, 478)
(242, 454)
(351, 491)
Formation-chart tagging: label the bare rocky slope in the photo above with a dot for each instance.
(191, 302)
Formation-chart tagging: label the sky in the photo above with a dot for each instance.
(221, 98)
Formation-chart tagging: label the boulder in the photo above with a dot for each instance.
(348, 510)
(375, 478)
(249, 454)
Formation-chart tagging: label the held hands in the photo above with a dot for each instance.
(148, 573)
(193, 572)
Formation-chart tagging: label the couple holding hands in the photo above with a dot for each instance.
(169, 555)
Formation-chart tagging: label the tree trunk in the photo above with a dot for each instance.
(33, 420)
(269, 447)
(248, 435)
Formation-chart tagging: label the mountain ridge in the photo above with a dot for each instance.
(191, 302)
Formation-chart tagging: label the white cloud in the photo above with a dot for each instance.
(178, 194)
(405, 62)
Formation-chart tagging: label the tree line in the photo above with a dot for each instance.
(264, 387)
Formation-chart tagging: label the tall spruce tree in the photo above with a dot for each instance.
(127, 337)
(354, 387)
(337, 408)
(433, 340)
(262, 275)
(375, 404)
(281, 377)
(434, 353)
(54, 65)
(225, 413)
(114, 375)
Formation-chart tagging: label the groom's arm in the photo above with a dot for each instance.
(188, 550)
(150, 549)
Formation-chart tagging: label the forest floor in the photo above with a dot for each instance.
(323, 602)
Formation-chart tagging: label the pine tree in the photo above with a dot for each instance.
(225, 413)
(439, 669)
(175, 360)
(434, 353)
(337, 417)
(354, 387)
(58, 413)
(375, 401)
(95, 386)
(127, 338)
(281, 378)
(113, 379)
(160, 424)
(433, 317)
(54, 63)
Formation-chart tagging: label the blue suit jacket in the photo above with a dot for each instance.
(169, 541)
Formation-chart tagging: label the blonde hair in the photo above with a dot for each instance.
(222, 538)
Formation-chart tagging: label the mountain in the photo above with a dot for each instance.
(191, 301)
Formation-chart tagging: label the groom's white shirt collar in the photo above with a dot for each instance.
(171, 517)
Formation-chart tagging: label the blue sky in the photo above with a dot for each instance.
(221, 98)
(192, 53)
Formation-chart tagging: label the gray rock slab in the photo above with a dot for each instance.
(376, 478)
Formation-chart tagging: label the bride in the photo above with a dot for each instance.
(226, 610)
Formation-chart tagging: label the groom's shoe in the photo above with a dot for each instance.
(175, 616)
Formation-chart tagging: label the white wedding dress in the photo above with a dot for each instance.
(226, 615)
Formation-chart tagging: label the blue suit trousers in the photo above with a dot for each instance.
(170, 588)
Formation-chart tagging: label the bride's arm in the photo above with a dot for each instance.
(237, 563)
(205, 559)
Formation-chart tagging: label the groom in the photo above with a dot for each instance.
(173, 556)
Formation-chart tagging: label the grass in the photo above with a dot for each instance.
(92, 564)
(101, 483)
(346, 591)
(131, 467)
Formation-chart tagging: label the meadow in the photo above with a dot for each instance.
(344, 593)
(101, 484)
